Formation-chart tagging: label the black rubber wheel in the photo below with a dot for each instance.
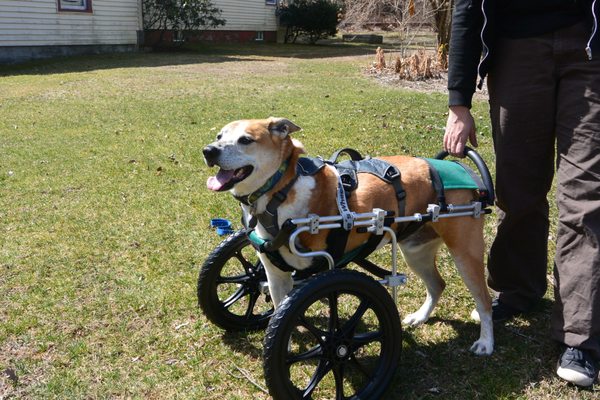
(229, 286)
(337, 336)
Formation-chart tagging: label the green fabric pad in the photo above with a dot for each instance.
(453, 174)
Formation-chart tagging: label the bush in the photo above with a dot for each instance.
(313, 19)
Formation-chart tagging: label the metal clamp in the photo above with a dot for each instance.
(394, 281)
(476, 209)
(347, 220)
(313, 224)
(378, 221)
(434, 211)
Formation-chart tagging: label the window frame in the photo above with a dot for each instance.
(85, 8)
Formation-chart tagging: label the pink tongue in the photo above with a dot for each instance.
(217, 182)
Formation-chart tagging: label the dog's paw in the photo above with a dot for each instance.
(482, 347)
(415, 319)
(475, 315)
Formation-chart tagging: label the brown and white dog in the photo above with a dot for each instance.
(249, 152)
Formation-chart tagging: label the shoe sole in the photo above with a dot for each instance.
(576, 378)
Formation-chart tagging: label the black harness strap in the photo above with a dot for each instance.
(354, 155)
(393, 174)
(483, 190)
(438, 185)
(268, 219)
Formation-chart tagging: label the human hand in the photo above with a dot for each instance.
(459, 128)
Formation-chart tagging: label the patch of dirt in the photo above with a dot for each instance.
(437, 85)
(227, 66)
(16, 381)
(434, 85)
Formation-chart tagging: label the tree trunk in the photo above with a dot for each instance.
(442, 15)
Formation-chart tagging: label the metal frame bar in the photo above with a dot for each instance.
(374, 223)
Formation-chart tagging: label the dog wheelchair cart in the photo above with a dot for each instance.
(338, 333)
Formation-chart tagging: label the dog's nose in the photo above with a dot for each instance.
(211, 153)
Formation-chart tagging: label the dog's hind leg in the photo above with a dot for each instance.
(466, 244)
(420, 257)
(280, 282)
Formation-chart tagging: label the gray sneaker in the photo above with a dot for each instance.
(577, 366)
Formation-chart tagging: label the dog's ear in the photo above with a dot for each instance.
(282, 126)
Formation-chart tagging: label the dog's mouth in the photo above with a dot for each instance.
(226, 178)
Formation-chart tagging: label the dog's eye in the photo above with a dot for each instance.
(219, 136)
(245, 140)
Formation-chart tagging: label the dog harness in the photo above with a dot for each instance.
(444, 175)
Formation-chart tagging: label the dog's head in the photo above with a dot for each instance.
(248, 153)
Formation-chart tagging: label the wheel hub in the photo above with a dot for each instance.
(342, 351)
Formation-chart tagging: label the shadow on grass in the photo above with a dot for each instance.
(524, 355)
(77, 64)
(192, 54)
(240, 342)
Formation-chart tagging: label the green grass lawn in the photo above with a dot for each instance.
(104, 223)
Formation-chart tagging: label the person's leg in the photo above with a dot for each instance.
(522, 92)
(576, 317)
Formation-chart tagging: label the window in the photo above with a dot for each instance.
(178, 36)
(260, 36)
(271, 2)
(75, 5)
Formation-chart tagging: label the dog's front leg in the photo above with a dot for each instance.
(280, 282)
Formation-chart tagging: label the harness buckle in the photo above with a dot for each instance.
(348, 183)
(392, 173)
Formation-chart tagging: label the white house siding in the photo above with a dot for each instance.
(247, 15)
(39, 23)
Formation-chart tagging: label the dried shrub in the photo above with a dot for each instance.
(418, 66)
(379, 59)
(442, 56)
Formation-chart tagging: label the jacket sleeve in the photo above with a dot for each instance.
(465, 51)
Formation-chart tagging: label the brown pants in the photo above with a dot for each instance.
(545, 95)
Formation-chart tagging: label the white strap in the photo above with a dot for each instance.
(342, 204)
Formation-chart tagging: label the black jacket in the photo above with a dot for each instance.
(474, 32)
